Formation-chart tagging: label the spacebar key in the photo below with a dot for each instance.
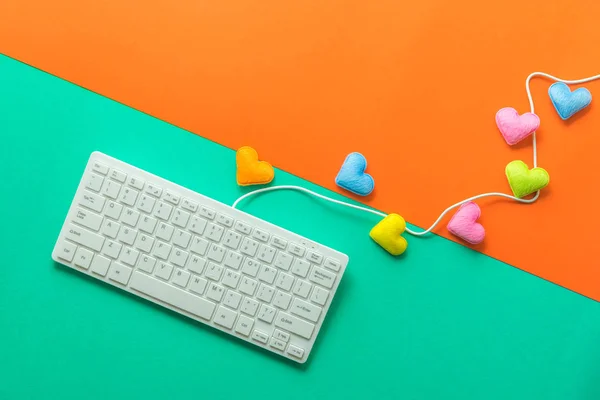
(172, 295)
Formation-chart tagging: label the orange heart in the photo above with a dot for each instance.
(250, 171)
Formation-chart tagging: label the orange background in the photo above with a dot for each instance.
(413, 86)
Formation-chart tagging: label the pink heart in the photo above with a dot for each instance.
(463, 224)
(515, 127)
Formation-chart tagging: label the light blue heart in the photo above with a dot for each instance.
(566, 102)
(352, 175)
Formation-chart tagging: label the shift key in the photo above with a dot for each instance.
(294, 325)
(84, 237)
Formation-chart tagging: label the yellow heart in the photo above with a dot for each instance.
(524, 181)
(250, 171)
(387, 234)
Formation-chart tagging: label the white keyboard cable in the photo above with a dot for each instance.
(479, 196)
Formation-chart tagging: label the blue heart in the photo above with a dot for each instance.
(352, 175)
(566, 102)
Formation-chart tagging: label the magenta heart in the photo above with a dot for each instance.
(464, 223)
(515, 127)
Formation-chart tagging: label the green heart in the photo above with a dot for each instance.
(524, 181)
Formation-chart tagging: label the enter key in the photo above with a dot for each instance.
(305, 310)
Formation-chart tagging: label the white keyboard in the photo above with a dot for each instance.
(199, 257)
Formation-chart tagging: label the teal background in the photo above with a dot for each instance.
(441, 322)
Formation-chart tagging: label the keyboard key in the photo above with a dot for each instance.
(164, 231)
(111, 249)
(216, 253)
(249, 247)
(130, 217)
(199, 245)
(248, 286)
(301, 288)
(84, 237)
(284, 336)
(225, 220)
(91, 201)
(181, 238)
(147, 224)
(135, 182)
(207, 212)
(162, 250)
(319, 295)
(314, 258)
(284, 281)
(94, 182)
(282, 300)
(300, 267)
(196, 264)
(100, 168)
(118, 175)
(266, 313)
(172, 295)
(163, 211)
(83, 258)
(215, 292)
(294, 325)
(197, 285)
(113, 210)
(172, 198)
(295, 351)
(244, 325)
(242, 228)
(278, 242)
(266, 254)
(111, 189)
(305, 310)
(100, 265)
(146, 203)
(265, 293)
(128, 196)
(231, 279)
(67, 251)
(144, 243)
(250, 267)
(296, 249)
(249, 306)
(214, 232)
(181, 278)
(110, 228)
(232, 239)
(153, 190)
(129, 256)
(225, 317)
(260, 234)
(232, 299)
(189, 205)
(267, 274)
(214, 271)
(233, 260)
(127, 235)
(164, 271)
(119, 273)
(332, 264)
(322, 277)
(197, 225)
(283, 261)
(146, 264)
(178, 257)
(260, 336)
(278, 344)
(180, 218)
(87, 219)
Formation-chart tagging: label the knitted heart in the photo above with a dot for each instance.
(515, 127)
(352, 175)
(250, 171)
(524, 181)
(387, 234)
(566, 102)
(464, 223)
